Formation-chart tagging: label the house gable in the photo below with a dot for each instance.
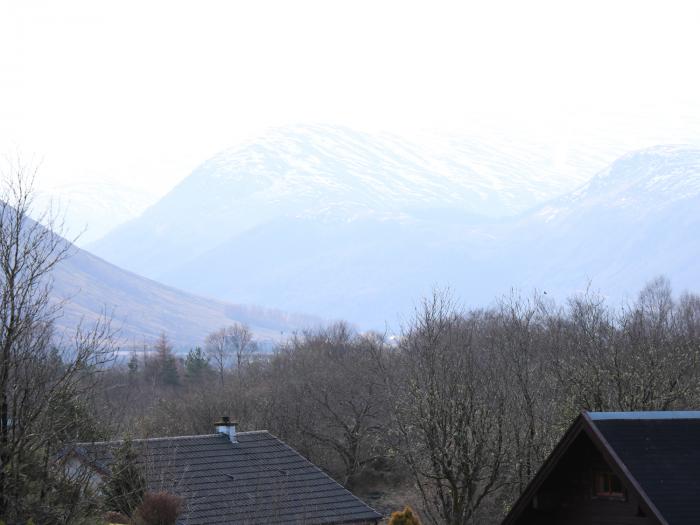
(567, 489)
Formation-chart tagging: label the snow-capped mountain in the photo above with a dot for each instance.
(328, 174)
(348, 225)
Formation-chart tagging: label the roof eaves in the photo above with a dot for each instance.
(378, 515)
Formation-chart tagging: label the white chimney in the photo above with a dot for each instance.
(228, 427)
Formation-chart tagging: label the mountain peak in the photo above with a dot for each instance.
(653, 175)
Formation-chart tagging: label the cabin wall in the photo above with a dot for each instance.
(568, 497)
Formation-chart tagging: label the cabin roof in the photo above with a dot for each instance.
(657, 454)
(663, 455)
(259, 479)
(652, 415)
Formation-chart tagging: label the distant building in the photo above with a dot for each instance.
(626, 468)
(235, 477)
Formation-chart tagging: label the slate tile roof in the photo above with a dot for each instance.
(258, 480)
(663, 455)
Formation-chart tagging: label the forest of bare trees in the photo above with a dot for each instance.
(453, 415)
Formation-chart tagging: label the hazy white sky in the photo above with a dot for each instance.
(143, 91)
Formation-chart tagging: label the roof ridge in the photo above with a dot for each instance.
(138, 440)
(645, 415)
(169, 438)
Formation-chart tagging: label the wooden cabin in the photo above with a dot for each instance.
(622, 468)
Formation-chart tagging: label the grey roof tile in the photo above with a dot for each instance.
(260, 479)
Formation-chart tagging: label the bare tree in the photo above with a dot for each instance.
(516, 334)
(657, 357)
(338, 394)
(449, 413)
(241, 340)
(231, 344)
(42, 377)
(218, 349)
(643, 357)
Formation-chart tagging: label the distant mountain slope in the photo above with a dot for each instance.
(328, 174)
(92, 208)
(143, 309)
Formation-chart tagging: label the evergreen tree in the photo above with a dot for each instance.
(126, 484)
(166, 362)
(196, 364)
(168, 372)
(133, 366)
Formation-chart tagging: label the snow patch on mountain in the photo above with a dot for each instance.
(331, 174)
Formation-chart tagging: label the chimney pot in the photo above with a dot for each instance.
(228, 427)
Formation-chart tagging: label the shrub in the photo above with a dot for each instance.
(159, 508)
(405, 517)
(117, 517)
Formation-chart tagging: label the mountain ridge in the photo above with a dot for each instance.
(323, 172)
(346, 255)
